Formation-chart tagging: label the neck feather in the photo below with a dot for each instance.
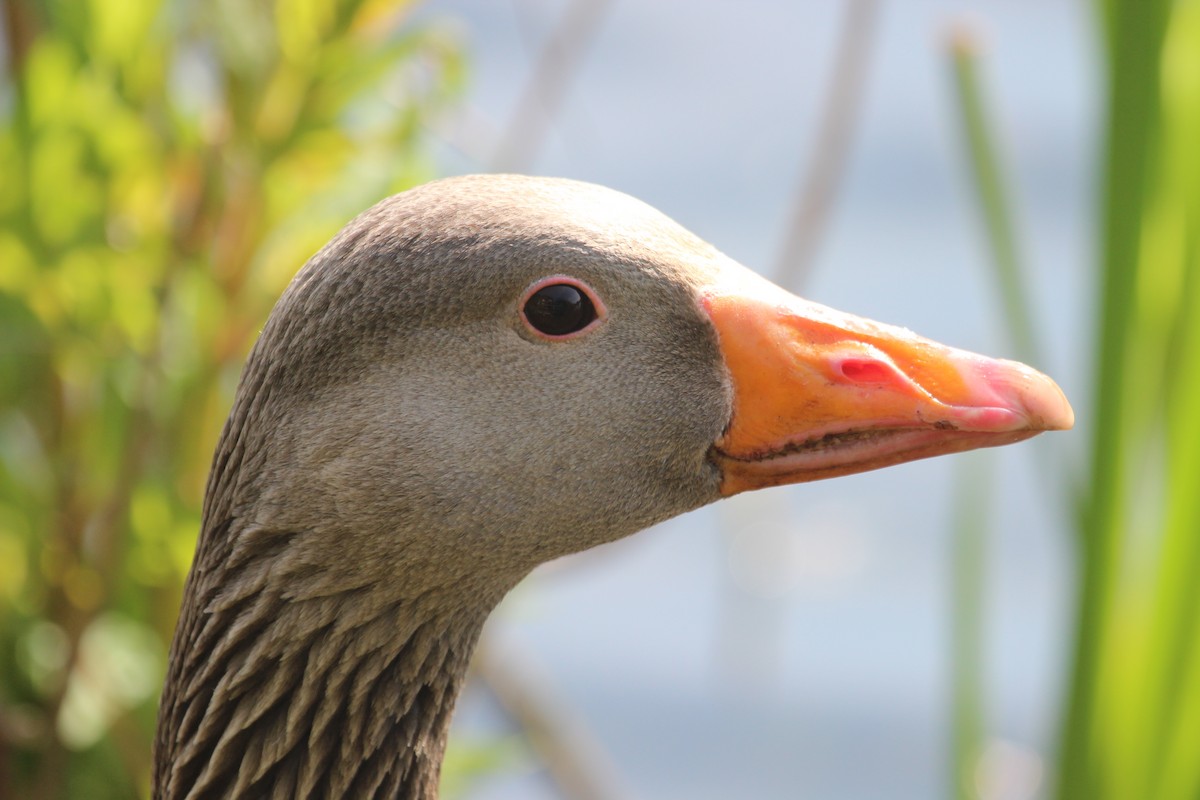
(278, 690)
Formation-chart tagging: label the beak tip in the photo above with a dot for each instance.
(1008, 396)
(1045, 405)
(1056, 413)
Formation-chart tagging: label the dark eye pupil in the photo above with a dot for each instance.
(559, 309)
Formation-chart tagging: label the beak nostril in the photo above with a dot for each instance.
(867, 370)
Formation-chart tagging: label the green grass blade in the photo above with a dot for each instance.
(972, 504)
(1135, 32)
(993, 200)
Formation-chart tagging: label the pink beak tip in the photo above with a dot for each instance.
(1036, 396)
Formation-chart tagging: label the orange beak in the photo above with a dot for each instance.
(818, 393)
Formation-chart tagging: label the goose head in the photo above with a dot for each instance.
(474, 377)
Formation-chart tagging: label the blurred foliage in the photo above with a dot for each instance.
(165, 167)
(470, 758)
(1131, 723)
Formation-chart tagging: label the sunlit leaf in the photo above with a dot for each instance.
(167, 167)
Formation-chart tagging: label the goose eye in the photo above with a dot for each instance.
(559, 309)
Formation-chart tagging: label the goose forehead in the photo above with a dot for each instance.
(412, 256)
(514, 218)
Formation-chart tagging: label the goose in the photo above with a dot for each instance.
(473, 377)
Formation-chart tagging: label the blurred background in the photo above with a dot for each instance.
(1018, 178)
